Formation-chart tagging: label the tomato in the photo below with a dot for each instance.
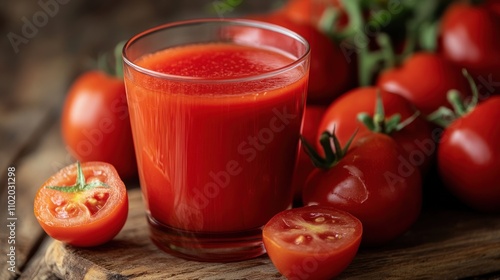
(82, 205)
(424, 79)
(95, 122)
(312, 242)
(373, 184)
(312, 118)
(330, 73)
(311, 11)
(468, 38)
(415, 138)
(469, 156)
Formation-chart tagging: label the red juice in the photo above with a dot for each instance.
(216, 152)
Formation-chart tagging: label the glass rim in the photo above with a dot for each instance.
(239, 21)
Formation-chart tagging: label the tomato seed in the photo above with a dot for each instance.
(99, 196)
(299, 240)
(319, 219)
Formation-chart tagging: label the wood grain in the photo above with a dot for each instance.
(132, 255)
(446, 244)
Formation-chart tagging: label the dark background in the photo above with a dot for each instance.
(68, 35)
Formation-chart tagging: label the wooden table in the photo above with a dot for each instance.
(447, 242)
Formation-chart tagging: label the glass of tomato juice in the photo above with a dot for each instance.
(216, 109)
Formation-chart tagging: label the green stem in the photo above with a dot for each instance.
(408, 121)
(379, 116)
(387, 51)
(356, 20)
(328, 21)
(443, 116)
(475, 91)
(80, 184)
(119, 60)
(456, 101)
(329, 142)
(379, 123)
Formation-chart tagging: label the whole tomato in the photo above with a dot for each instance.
(311, 11)
(469, 38)
(312, 118)
(424, 79)
(95, 122)
(415, 138)
(330, 73)
(369, 182)
(469, 156)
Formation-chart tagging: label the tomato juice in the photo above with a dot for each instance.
(216, 130)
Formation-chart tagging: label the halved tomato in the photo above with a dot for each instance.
(82, 205)
(312, 242)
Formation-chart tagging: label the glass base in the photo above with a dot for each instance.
(207, 247)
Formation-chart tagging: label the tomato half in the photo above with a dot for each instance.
(95, 122)
(469, 156)
(86, 208)
(372, 183)
(313, 242)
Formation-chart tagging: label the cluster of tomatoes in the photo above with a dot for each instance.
(387, 103)
(380, 116)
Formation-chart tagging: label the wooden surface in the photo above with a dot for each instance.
(445, 244)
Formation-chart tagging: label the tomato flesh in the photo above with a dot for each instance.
(84, 218)
(312, 242)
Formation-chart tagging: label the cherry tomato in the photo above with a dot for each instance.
(312, 119)
(469, 156)
(95, 122)
(82, 205)
(312, 242)
(468, 38)
(424, 79)
(311, 11)
(373, 184)
(415, 138)
(330, 73)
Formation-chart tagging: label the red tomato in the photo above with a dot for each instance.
(469, 156)
(311, 11)
(82, 206)
(415, 138)
(312, 119)
(469, 38)
(494, 5)
(373, 184)
(95, 122)
(424, 79)
(312, 242)
(330, 73)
